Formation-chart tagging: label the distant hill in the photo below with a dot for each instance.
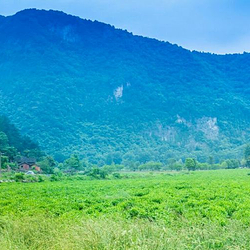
(80, 86)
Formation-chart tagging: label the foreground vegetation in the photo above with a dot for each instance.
(105, 234)
(197, 210)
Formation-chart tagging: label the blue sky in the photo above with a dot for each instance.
(219, 26)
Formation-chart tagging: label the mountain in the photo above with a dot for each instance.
(80, 86)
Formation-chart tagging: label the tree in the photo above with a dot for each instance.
(11, 152)
(203, 166)
(33, 153)
(247, 155)
(109, 159)
(211, 161)
(117, 158)
(190, 164)
(73, 163)
(4, 142)
(47, 165)
(97, 173)
(232, 163)
(171, 163)
(154, 166)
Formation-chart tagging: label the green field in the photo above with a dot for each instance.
(197, 210)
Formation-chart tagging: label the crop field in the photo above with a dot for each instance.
(197, 210)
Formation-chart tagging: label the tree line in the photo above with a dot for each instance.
(75, 165)
(12, 145)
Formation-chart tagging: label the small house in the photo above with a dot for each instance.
(26, 163)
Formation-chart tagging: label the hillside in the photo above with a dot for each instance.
(13, 144)
(80, 86)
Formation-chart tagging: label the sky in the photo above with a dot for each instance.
(217, 26)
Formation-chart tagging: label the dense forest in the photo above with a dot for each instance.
(81, 87)
(13, 145)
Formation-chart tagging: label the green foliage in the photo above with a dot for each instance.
(12, 144)
(4, 141)
(154, 166)
(47, 165)
(73, 163)
(207, 196)
(55, 177)
(197, 210)
(40, 178)
(19, 177)
(204, 166)
(232, 164)
(117, 233)
(117, 175)
(190, 164)
(97, 173)
(247, 155)
(112, 168)
(11, 141)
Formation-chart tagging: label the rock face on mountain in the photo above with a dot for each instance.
(80, 86)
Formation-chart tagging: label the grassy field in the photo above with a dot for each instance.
(198, 210)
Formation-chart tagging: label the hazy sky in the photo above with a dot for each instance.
(220, 26)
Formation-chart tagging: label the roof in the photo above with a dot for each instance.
(27, 160)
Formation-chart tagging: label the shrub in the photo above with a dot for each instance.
(19, 177)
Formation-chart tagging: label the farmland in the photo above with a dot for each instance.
(168, 210)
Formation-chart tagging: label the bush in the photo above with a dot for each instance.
(19, 177)
(54, 178)
(97, 173)
(30, 178)
(40, 178)
(117, 175)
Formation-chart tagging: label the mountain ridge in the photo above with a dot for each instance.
(72, 16)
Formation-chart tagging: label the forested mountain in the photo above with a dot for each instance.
(80, 86)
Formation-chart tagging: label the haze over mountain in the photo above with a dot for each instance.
(80, 86)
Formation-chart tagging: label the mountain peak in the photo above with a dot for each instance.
(33, 25)
(32, 11)
(50, 15)
(45, 15)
